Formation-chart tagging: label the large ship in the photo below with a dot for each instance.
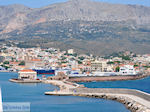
(45, 71)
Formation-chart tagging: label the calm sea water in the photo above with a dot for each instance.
(34, 93)
(142, 84)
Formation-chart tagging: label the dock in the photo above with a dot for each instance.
(134, 100)
(24, 81)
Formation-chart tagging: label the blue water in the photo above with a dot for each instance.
(142, 84)
(34, 93)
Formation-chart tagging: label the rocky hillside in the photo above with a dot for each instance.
(85, 25)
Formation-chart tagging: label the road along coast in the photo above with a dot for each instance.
(134, 100)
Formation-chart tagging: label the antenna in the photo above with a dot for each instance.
(1, 107)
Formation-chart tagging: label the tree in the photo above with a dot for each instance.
(117, 62)
(79, 62)
(126, 58)
(22, 63)
(135, 65)
(75, 54)
(6, 62)
(117, 69)
(6, 67)
(81, 58)
(110, 62)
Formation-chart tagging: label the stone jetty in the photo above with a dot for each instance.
(107, 78)
(134, 100)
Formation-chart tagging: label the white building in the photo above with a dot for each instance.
(27, 74)
(70, 51)
(127, 70)
(99, 66)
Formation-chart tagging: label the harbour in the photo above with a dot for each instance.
(74, 56)
(18, 92)
(134, 100)
(131, 98)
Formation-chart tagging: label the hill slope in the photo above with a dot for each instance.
(87, 26)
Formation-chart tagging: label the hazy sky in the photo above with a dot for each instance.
(40, 3)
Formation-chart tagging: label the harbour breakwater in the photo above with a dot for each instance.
(134, 100)
(106, 78)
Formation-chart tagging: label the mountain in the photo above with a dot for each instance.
(84, 25)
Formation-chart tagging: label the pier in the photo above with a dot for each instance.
(24, 81)
(134, 100)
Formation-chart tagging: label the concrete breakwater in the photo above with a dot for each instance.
(134, 100)
(24, 81)
(130, 104)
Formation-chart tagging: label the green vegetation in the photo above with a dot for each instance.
(6, 62)
(81, 58)
(146, 66)
(117, 69)
(135, 65)
(79, 62)
(110, 62)
(63, 58)
(22, 63)
(94, 35)
(125, 57)
(117, 62)
(39, 56)
(6, 67)
(134, 55)
(75, 54)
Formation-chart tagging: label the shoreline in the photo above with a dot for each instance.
(106, 78)
(134, 100)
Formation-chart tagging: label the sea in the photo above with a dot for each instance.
(34, 95)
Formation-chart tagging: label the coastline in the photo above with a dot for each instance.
(134, 100)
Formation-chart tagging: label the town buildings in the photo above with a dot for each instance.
(127, 70)
(16, 59)
(99, 66)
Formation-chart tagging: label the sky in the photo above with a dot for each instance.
(41, 3)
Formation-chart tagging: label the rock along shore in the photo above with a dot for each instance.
(134, 100)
